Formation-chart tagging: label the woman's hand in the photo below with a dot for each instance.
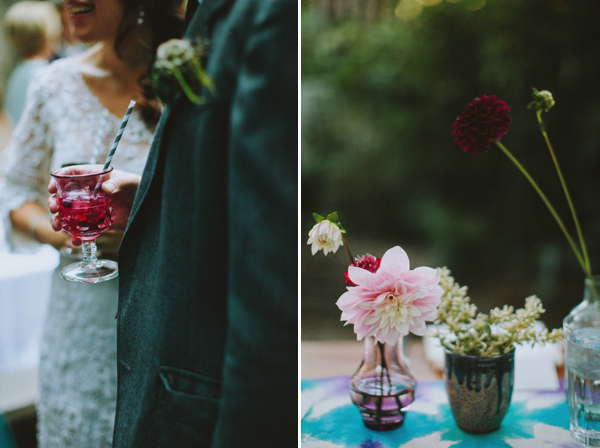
(120, 185)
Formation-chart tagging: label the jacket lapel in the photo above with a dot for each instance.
(190, 11)
(150, 164)
(198, 26)
(200, 23)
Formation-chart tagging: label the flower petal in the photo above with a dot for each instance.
(396, 256)
(418, 329)
(346, 300)
(413, 311)
(358, 275)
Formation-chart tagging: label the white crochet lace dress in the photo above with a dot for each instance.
(65, 123)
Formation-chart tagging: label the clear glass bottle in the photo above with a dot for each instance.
(582, 366)
(384, 386)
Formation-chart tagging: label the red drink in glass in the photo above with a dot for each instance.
(85, 212)
(85, 216)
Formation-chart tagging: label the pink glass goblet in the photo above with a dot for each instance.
(85, 212)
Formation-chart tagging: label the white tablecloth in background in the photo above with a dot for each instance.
(25, 281)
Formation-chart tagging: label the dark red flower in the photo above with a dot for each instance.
(484, 120)
(368, 262)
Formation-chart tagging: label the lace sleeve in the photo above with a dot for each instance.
(28, 156)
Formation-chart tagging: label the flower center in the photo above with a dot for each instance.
(323, 239)
(396, 306)
(397, 309)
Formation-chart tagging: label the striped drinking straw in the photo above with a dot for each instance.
(119, 134)
(116, 142)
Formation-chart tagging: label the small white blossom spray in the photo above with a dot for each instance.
(463, 330)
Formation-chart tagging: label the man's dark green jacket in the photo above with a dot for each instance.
(207, 318)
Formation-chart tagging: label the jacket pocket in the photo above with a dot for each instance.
(188, 405)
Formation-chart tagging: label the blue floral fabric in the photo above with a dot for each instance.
(536, 419)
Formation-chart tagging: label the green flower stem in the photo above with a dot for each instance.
(348, 249)
(204, 78)
(550, 207)
(384, 367)
(186, 88)
(568, 196)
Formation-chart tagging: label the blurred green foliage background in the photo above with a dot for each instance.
(378, 102)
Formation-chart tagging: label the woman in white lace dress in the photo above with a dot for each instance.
(73, 112)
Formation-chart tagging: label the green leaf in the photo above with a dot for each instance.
(318, 217)
(333, 217)
(341, 228)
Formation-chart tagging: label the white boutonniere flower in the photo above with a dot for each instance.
(178, 70)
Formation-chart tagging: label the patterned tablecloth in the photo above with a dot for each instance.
(536, 419)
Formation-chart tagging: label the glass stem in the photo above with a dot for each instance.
(88, 250)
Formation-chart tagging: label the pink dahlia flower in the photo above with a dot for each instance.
(393, 301)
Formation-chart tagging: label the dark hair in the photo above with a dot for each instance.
(162, 20)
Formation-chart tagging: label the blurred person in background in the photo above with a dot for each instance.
(34, 30)
(73, 112)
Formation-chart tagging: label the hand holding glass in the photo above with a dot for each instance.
(85, 211)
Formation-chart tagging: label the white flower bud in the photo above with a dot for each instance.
(325, 235)
(548, 99)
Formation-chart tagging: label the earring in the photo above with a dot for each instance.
(140, 20)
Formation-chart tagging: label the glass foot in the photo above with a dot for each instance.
(100, 271)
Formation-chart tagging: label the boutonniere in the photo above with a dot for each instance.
(178, 70)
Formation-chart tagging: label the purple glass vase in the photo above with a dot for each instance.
(384, 386)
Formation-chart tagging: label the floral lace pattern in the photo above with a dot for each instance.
(77, 372)
(65, 123)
